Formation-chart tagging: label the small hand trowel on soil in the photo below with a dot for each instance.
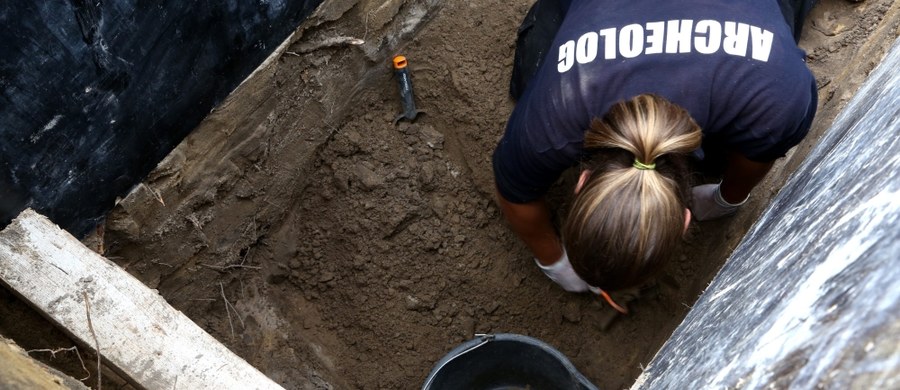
(406, 90)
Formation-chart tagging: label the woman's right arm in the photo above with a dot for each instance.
(531, 222)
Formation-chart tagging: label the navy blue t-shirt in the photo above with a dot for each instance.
(733, 65)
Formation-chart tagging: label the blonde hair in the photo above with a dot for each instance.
(628, 217)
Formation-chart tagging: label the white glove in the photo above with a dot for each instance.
(708, 203)
(564, 275)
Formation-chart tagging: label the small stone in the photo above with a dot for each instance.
(368, 179)
(415, 304)
(439, 206)
(518, 281)
(467, 326)
(426, 176)
(341, 181)
(431, 137)
(572, 312)
(354, 137)
(278, 275)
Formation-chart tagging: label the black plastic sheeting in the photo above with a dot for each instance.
(96, 93)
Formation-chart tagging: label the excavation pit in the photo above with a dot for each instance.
(355, 252)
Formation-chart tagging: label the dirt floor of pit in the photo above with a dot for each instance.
(356, 253)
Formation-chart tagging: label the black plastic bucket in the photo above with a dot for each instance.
(505, 361)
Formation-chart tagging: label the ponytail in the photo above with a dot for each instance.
(628, 216)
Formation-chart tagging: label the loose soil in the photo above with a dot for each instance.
(357, 252)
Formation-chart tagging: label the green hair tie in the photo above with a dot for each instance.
(639, 165)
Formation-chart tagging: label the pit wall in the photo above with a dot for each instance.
(811, 296)
(202, 172)
(227, 207)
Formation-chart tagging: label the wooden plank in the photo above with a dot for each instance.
(20, 371)
(138, 333)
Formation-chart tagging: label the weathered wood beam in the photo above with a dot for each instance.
(103, 307)
(20, 371)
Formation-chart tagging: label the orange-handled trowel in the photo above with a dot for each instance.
(401, 70)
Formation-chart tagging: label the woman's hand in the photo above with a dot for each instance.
(564, 275)
(708, 203)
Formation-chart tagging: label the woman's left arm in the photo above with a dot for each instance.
(713, 201)
(741, 176)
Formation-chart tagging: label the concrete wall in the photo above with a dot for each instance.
(811, 297)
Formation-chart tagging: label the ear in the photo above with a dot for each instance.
(687, 218)
(585, 174)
